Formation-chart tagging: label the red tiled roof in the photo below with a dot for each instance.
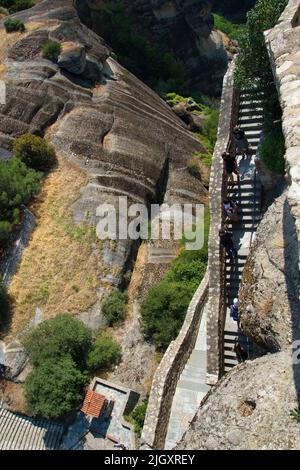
(93, 404)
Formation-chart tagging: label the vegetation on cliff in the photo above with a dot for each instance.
(161, 70)
(233, 30)
(17, 186)
(254, 69)
(62, 351)
(35, 152)
(164, 308)
(114, 307)
(13, 24)
(51, 50)
(16, 5)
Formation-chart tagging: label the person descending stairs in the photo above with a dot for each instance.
(247, 196)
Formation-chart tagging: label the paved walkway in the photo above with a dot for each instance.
(190, 391)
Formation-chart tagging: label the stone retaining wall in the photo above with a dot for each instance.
(216, 300)
(169, 371)
(283, 43)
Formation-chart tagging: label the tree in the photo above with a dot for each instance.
(58, 337)
(253, 65)
(54, 387)
(13, 24)
(104, 353)
(17, 186)
(35, 152)
(114, 307)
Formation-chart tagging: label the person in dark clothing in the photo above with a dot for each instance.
(228, 242)
(241, 142)
(240, 352)
(230, 166)
(230, 210)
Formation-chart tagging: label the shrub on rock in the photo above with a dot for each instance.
(19, 5)
(35, 152)
(54, 388)
(17, 185)
(114, 307)
(51, 50)
(104, 353)
(13, 24)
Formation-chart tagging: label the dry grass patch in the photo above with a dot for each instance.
(59, 270)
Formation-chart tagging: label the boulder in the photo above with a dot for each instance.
(269, 303)
(72, 58)
(15, 359)
(250, 408)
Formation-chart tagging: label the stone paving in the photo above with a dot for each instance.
(190, 391)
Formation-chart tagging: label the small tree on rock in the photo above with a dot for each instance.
(35, 152)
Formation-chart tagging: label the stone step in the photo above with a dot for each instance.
(257, 110)
(253, 141)
(251, 95)
(251, 118)
(253, 134)
(230, 361)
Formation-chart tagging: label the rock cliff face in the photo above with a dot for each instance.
(250, 408)
(96, 114)
(185, 27)
(269, 301)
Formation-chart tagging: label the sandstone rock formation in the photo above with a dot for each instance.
(185, 27)
(114, 137)
(250, 408)
(269, 302)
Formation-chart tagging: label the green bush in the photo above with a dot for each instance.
(4, 11)
(17, 186)
(51, 50)
(54, 388)
(138, 415)
(35, 152)
(104, 353)
(148, 61)
(296, 414)
(164, 308)
(58, 337)
(253, 65)
(233, 30)
(19, 5)
(114, 307)
(13, 24)
(273, 150)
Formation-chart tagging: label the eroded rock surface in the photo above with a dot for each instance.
(250, 408)
(185, 27)
(99, 116)
(269, 302)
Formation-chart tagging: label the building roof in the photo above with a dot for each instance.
(18, 432)
(93, 404)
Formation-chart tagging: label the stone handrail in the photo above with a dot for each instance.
(216, 262)
(283, 44)
(168, 373)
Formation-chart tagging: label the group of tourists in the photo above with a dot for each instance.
(229, 206)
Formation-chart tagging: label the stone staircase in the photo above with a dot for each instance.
(247, 196)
